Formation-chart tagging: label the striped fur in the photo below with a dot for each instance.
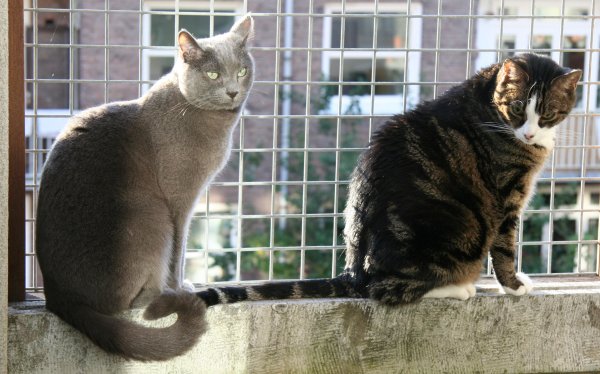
(313, 288)
(440, 187)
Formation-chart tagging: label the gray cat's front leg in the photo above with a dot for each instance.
(177, 258)
(503, 260)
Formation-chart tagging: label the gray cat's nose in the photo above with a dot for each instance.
(232, 94)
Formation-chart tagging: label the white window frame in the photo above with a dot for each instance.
(520, 28)
(184, 6)
(376, 104)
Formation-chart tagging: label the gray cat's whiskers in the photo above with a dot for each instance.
(178, 106)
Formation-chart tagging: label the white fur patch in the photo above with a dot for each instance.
(522, 290)
(531, 132)
(252, 294)
(452, 291)
(222, 297)
(470, 287)
(188, 285)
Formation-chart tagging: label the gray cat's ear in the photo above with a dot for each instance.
(567, 81)
(188, 47)
(510, 71)
(243, 28)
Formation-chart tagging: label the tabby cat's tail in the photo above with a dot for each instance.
(133, 341)
(301, 289)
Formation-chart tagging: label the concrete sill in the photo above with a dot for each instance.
(554, 329)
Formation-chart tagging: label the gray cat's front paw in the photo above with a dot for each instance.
(523, 289)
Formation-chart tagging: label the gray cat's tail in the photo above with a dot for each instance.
(301, 289)
(132, 341)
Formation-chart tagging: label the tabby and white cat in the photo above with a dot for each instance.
(440, 187)
(117, 193)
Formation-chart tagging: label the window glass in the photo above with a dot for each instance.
(389, 69)
(545, 10)
(542, 44)
(162, 26)
(508, 46)
(359, 31)
(576, 59)
(160, 66)
(508, 11)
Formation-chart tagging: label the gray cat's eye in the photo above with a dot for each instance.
(517, 107)
(212, 75)
(242, 72)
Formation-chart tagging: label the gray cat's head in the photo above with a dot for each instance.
(216, 73)
(534, 94)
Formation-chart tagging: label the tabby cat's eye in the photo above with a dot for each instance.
(549, 116)
(517, 108)
(242, 72)
(212, 75)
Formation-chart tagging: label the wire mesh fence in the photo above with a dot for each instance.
(327, 74)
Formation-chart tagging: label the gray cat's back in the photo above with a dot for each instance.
(82, 205)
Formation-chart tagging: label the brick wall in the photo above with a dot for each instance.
(123, 62)
(453, 34)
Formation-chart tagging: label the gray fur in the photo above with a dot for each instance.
(118, 190)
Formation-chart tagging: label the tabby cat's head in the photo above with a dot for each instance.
(216, 73)
(533, 94)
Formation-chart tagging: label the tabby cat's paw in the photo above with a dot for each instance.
(470, 287)
(523, 289)
(452, 291)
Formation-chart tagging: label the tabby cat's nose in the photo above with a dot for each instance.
(232, 94)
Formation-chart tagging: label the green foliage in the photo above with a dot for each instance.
(320, 231)
(563, 229)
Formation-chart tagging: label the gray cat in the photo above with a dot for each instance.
(117, 193)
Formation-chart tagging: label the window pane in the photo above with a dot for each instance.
(359, 31)
(160, 66)
(508, 11)
(199, 26)
(541, 44)
(389, 70)
(391, 32)
(575, 60)
(163, 26)
(546, 10)
(162, 29)
(508, 46)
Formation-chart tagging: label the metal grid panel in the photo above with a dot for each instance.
(276, 210)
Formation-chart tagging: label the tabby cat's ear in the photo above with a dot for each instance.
(511, 72)
(188, 47)
(243, 28)
(567, 81)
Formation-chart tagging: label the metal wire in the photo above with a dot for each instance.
(285, 105)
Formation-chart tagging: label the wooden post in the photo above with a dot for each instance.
(16, 153)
